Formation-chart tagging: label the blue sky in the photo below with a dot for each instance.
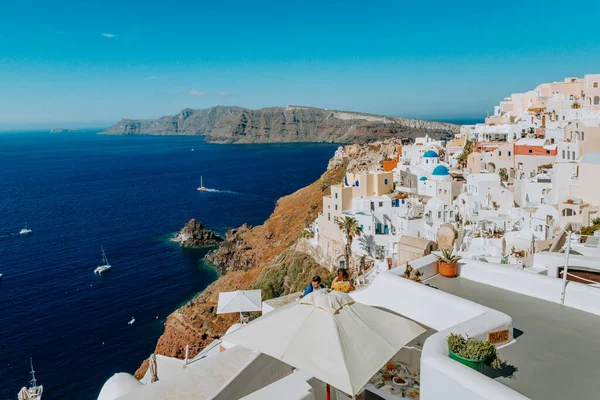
(89, 61)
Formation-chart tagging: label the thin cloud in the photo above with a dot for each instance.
(109, 35)
(224, 94)
(197, 93)
(150, 78)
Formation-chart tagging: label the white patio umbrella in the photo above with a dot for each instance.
(328, 335)
(239, 301)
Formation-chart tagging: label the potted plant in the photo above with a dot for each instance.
(473, 353)
(447, 263)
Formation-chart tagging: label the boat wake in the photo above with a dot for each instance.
(220, 191)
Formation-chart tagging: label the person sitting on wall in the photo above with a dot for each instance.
(342, 282)
(315, 284)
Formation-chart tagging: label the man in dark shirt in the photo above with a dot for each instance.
(314, 285)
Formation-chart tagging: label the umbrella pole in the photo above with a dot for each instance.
(327, 392)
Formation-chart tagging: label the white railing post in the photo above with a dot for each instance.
(566, 269)
(187, 352)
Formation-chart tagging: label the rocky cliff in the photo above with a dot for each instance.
(194, 234)
(225, 124)
(265, 256)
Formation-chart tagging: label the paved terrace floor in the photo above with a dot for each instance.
(557, 347)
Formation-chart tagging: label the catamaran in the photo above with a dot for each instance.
(25, 231)
(33, 392)
(105, 266)
(201, 188)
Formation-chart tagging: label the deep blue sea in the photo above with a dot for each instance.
(78, 191)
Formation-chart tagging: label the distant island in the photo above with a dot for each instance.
(230, 124)
(63, 130)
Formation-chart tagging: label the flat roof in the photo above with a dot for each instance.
(555, 347)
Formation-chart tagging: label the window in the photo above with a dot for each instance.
(362, 227)
(385, 181)
(571, 97)
(520, 166)
(439, 214)
(596, 100)
(582, 135)
(547, 151)
(342, 264)
(328, 216)
(336, 206)
(563, 154)
(595, 85)
(381, 204)
(499, 153)
(509, 153)
(530, 151)
(335, 220)
(336, 195)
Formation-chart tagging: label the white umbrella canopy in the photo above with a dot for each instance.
(239, 301)
(328, 335)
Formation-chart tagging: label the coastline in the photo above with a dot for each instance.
(240, 259)
(249, 253)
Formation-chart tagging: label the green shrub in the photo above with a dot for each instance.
(474, 349)
(290, 272)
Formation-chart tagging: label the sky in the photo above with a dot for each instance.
(90, 62)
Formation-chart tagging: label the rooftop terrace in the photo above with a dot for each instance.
(552, 354)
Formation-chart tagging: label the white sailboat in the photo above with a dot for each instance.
(105, 266)
(34, 391)
(25, 231)
(201, 187)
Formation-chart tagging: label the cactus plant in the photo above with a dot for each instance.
(448, 257)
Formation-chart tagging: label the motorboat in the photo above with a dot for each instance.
(25, 231)
(131, 322)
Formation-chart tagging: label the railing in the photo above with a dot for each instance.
(203, 352)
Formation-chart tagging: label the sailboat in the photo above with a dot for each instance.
(33, 392)
(201, 187)
(25, 231)
(105, 266)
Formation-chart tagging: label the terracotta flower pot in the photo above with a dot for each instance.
(447, 270)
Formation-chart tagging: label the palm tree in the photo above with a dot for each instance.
(350, 228)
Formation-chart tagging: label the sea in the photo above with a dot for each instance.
(80, 191)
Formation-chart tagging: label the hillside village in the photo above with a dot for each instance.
(512, 203)
(501, 191)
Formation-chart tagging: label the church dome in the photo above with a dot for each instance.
(430, 154)
(440, 170)
(423, 178)
(119, 385)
